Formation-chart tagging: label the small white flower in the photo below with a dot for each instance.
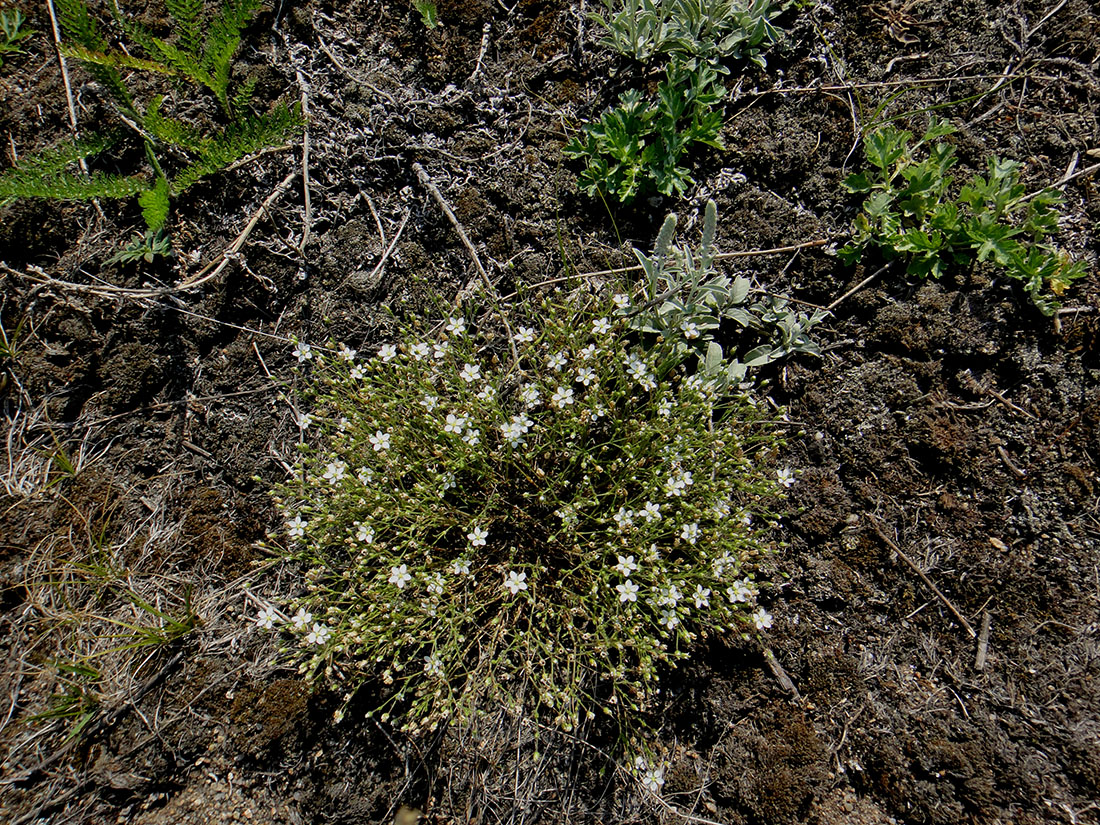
(626, 565)
(477, 536)
(556, 361)
(525, 335)
(448, 480)
(529, 395)
(621, 301)
(664, 409)
(439, 350)
(380, 441)
(742, 590)
(522, 423)
(303, 352)
(651, 512)
(601, 326)
(433, 665)
(689, 329)
(761, 619)
(266, 618)
(347, 353)
(342, 423)
(430, 402)
(335, 471)
(460, 567)
(419, 351)
(302, 619)
(436, 584)
(598, 412)
(516, 581)
(701, 596)
(512, 434)
(690, 533)
(358, 373)
(746, 518)
(669, 596)
(305, 420)
(365, 475)
(456, 326)
(318, 635)
(628, 591)
(587, 352)
(653, 779)
(786, 477)
(454, 424)
(721, 563)
(387, 352)
(586, 376)
(624, 518)
(562, 398)
(470, 373)
(669, 618)
(487, 393)
(296, 527)
(472, 437)
(364, 533)
(678, 483)
(722, 508)
(400, 575)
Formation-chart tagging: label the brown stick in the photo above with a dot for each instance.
(913, 566)
(859, 286)
(780, 674)
(983, 642)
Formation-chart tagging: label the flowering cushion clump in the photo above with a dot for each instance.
(556, 528)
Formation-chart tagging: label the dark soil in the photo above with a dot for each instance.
(947, 420)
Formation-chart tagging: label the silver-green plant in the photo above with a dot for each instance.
(707, 31)
(548, 535)
(686, 299)
(12, 32)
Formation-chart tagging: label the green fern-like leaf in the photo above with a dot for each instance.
(171, 131)
(46, 175)
(154, 205)
(81, 28)
(114, 60)
(239, 140)
(223, 38)
(188, 17)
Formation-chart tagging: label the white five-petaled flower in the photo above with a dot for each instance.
(304, 420)
(689, 329)
(512, 434)
(364, 533)
(651, 511)
(266, 618)
(487, 393)
(587, 352)
(525, 335)
(601, 326)
(318, 635)
(562, 398)
(669, 618)
(454, 424)
(303, 352)
(296, 527)
(690, 532)
(380, 441)
(433, 665)
(448, 480)
(347, 353)
(721, 508)
(335, 471)
(439, 350)
(358, 373)
(472, 436)
(701, 596)
(387, 352)
(529, 395)
(461, 567)
(435, 584)
(621, 301)
(456, 326)
(400, 576)
(626, 565)
(302, 619)
(556, 361)
(786, 477)
(624, 518)
(516, 581)
(761, 619)
(477, 536)
(470, 373)
(678, 482)
(365, 475)
(628, 591)
(430, 402)
(586, 376)
(721, 563)
(742, 590)
(653, 778)
(664, 409)
(419, 351)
